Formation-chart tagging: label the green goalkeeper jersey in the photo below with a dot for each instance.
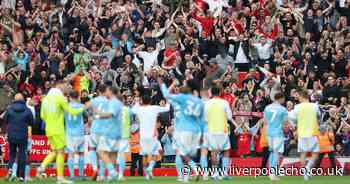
(52, 112)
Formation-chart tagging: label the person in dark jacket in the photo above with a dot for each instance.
(19, 120)
(241, 53)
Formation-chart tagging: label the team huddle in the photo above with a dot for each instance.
(202, 120)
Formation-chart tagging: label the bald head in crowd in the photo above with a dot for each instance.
(19, 97)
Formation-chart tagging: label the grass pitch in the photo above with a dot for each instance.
(235, 180)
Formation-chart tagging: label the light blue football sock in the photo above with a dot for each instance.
(271, 160)
(121, 163)
(225, 164)
(151, 164)
(14, 169)
(93, 160)
(102, 169)
(70, 164)
(27, 172)
(111, 170)
(179, 165)
(309, 165)
(192, 164)
(81, 165)
(204, 162)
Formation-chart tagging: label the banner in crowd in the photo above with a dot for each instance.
(39, 148)
(251, 114)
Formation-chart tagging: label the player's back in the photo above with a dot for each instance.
(188, 112)
(306, 116)
(99, 126)
(275, 115)
(74, 123)
(216, 116)
(147, 116)
(114, 126)
(52, 113)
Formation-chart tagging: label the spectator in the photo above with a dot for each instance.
(214, 73)
(224, 59)
(271, 85)
(289, 140)
(263, 48)
(243, 140)
(167, 141)
(241, 52)
(331, 90)
(21, 58)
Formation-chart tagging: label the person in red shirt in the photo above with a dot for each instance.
(243, 141)
(228, 96)
(205, 19)
(170, 55)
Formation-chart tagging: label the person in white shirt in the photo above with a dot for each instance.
(216, 6)
(135, 59)
(224, 59)
(241, 52)
(2, 68)
(264, 49)
(147, 115)
(149, 58)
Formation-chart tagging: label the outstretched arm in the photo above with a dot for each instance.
(228, 111)
(301, 9)
(165, 91)
(279, 7)
(65, 106)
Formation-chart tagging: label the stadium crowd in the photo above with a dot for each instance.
(279, 45)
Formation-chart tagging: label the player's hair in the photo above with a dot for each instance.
(146, 99)
(185, 89)
(215, 90)
(84, 91)
(115, 90)
(102, 88)
(303, 93)
(279, 96)
(74, 94)
(60, 82)
(194, 85)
